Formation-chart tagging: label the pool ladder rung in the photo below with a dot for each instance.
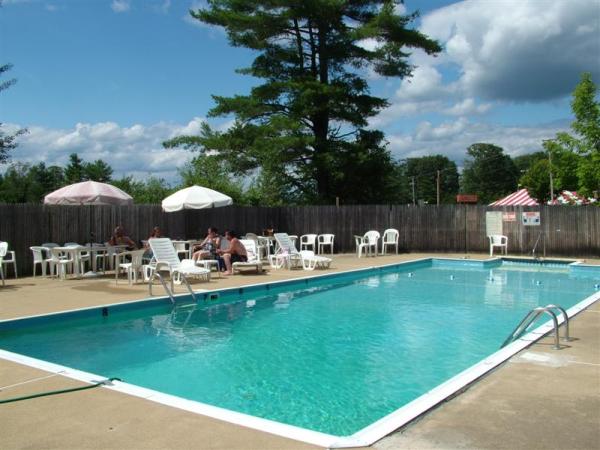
(532, 315)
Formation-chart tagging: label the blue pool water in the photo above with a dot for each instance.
(332, 356)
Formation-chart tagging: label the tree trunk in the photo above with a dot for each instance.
(321, 123)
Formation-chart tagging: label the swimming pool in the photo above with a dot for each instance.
(331, 354)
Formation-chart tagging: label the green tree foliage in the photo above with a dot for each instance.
(77, 170)
(488, 172)
(424, 172)
(536, 178)
(525, 162)
(74, 171)
(97, 171)
(213, 172)
(586, 141)
(7, 140)
(23, 183)
(153, 190)
(309, 116)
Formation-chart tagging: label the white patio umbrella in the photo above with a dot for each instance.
(89, 193)
(195, 197)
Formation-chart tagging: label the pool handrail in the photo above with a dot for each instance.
(532, 315)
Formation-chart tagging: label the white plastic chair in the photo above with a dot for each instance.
(389, 239)
(368, 243)
(181, 248)
(60, 260)
(324, 240)
(83, 256)
(3, 250)
(133, 267)
(308, 240)
(167, 259)
(498, 240)
(252, 255)
(9, 260)
(260, 248)
(39, 258)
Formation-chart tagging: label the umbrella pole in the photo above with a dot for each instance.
(91, 273)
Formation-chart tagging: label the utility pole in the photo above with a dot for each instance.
(551, 180)
(438, 188)
(547, 143)
(412, 181)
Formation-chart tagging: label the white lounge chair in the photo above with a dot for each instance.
(289, 257)
(368, 243)
(286, 254)
(253, 262)
(324, 240)
(310, 261)
(166, 259)
(389, 239)
(498, 240)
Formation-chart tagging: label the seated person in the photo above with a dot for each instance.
(235, 253)
(119, 238)
(207, 249)
(155, 233)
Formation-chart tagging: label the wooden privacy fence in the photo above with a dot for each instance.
(566, 231)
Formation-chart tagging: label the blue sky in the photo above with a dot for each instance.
(112, 79)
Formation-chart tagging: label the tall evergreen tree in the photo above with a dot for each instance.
(75, 170)
(308, 117)
(8, 140)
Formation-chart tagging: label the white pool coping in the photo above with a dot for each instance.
(364, 437)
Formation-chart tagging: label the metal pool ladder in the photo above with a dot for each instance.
(532, 316)
(169, 291)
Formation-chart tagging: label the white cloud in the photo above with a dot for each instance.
(453, 138)
(120, 6)
(497, 52)
(136, 150)
(467, 107)
(518, 50)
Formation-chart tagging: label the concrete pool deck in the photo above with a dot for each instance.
(540, 398)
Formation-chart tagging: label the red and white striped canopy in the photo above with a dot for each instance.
(519, 198)
(570, 198)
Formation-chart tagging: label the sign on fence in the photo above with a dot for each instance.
(493, 223)
(531, 218)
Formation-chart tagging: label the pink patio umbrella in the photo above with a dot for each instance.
(89, 193)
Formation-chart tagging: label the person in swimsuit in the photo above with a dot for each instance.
(235, 253)
(207, 249)
(119, 238)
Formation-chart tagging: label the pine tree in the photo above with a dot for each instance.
(309, 116)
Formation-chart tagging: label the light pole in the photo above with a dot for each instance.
(548, 146)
